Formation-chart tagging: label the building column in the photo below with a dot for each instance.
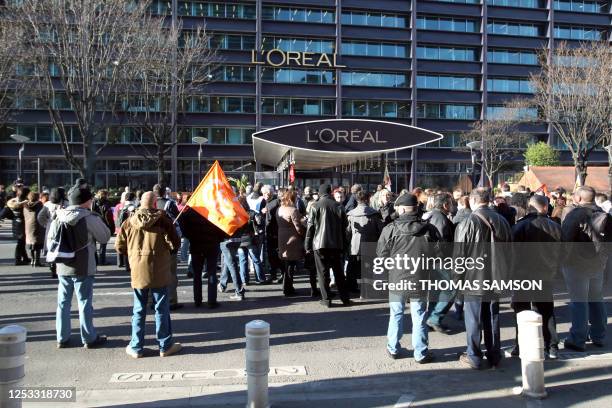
(413, 88)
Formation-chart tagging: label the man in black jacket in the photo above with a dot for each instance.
(538, 259)
(442, 300)
(408, 236)
(204, 239)
(478, 236)
(326, 236)
(583, 271)
(271, 230)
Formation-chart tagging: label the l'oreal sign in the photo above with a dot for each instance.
(328, 135)
(279, 58)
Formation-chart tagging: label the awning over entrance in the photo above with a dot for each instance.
(330, 143)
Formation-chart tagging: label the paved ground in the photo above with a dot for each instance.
(331, 358)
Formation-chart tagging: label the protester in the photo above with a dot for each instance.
(102, 206)
(364, 226)
(128, 208)
(339, 196)
(541, 261)
(148, 239)
(78, 274)
(204, 239)
(34, 232)
(463, 209)
(473, 238)
(271, 231)
(375, 199)
(57, 200)
(385, 207)
(325, 237)
(558, 210)
(14, 211)
(290, 239)
(2, 196)
(503, 209)
(408, 235)
(352, 200)
(583, 270)
(251, 241)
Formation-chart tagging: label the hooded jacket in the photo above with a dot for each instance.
(96, 232)
(412, 237)
(364, 225)
(147, 238)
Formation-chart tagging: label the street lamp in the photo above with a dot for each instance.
(474, 146)
(199, 140)
(23, 140)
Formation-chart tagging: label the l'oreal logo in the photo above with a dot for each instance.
(278, 58)
(327, 135)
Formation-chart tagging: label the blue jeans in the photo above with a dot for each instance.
(229, 251)
(184, 249)
(420, 331)
(163, 326)
(482, 320)
(254, 251)
(586, 306)
(443, 300)
(84, 294)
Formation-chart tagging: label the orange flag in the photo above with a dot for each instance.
(215, 200)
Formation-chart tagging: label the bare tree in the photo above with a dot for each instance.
(168, 71)
(572, 93)
(10, 85)
(499, 139)
(82, 51)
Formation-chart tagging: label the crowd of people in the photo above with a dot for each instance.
(320, 231)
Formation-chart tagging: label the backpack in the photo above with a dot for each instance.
(599, 229)
(125, 213)
(68, 243)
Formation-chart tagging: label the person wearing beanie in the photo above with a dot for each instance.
(78, 275)
(410, 236)
(326, 238)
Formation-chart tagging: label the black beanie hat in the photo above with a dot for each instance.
(324, 189)
(78, 196)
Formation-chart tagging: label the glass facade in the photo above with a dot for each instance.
(578, 33)
(517, 3)
(302, 15)
(448, 24)
(380, 79)
(515, 85)
(232, 42)
(298, 106)
(516, 29)
(374, 49)
(222, 104)
(517, 57)
(374, 19)
(447, 111)
(455, 83)
(375, 109)
(205, 9)
(297, 44)
(580, 6)
(432, 52)
(297, 76)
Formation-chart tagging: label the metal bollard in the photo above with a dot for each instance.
(531, 346)
(257, 363)
(12, 360)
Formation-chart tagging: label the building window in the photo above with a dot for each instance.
(202, 9)
(447, 24)
(298, 44)
(233, 73)
(297, 76)
(505, 112)
(376, 109)
(518, 57)
(231, 42)
(455, 83)
(380, 79)
(521, 30)
(303, 15)
(372, 49)
(460, 1)
(517, 3)
(372, 19)
(222, 104)
(580, 6)
(446, 53)
(298, 106)
(217, 135)
(514, 85)
(578, 33)
(447, 111)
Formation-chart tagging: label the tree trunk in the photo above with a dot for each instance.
(581, 172)
(161, 165)
(609, 178)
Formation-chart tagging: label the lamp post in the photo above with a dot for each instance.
(474, 146)
(199, 140)
(23, 140)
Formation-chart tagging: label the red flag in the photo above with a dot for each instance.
(215, 200)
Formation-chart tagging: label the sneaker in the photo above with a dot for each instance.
(132, 353)
(467, 362)
(552, 353)
(568, 345)
(220, 288)
(63, 344)
(515, 352)
(394, 356)
(237, 297)
(99, 341)
(428, 358)
(439, 328)
(175, 348)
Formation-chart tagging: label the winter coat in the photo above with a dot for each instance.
(204, 237)
(509, 213)
(271, 224)
(351, 204)
(536, 248)
(96, 232)
(34, 232)
(461, 215)
(579, 252)
(15, 213)
(104, 209)
(327, 224)
(148, 238)
(445, 227)
(46, 215)
(290, 233)
(387, 213)
(473, 239)
(408, 235)
(364, 225)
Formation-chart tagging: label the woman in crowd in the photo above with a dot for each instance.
(14, 212)
(290, 239)
(463, 210)
(57, 200)
(385, 207)
(557, 212)
(34, 232)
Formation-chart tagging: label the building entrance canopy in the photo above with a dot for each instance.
(323, 144)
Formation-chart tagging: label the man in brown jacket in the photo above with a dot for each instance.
(147, 238)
